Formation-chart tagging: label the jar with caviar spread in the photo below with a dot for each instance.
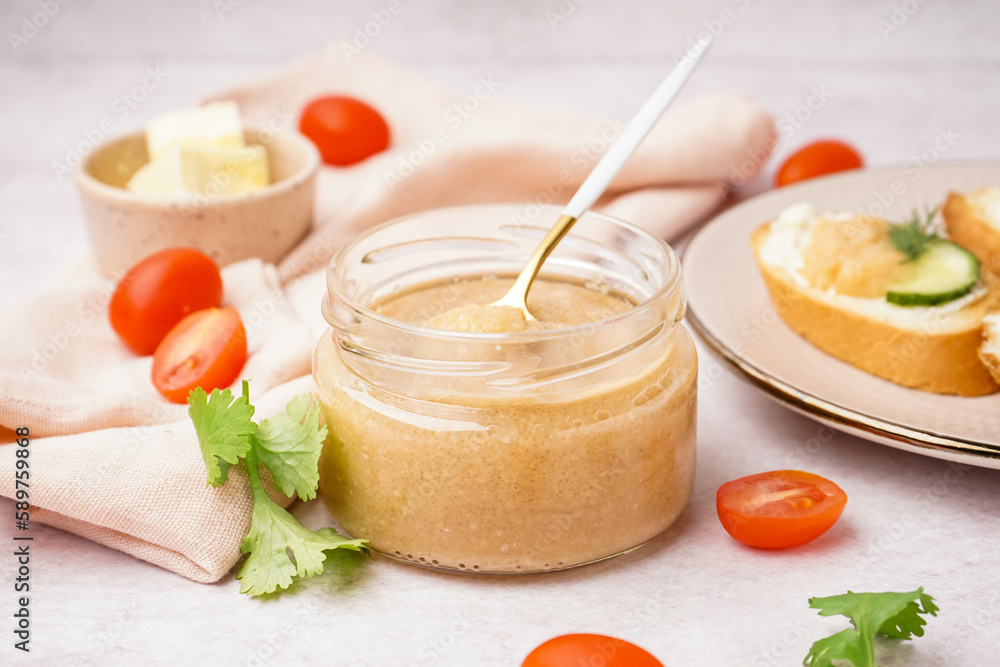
(466, 438)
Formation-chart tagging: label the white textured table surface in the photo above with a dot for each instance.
(693, 596)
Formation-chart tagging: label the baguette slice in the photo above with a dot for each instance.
(990, 350)
(934, 349)
(973, 222)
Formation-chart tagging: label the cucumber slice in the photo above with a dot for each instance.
(944, 272)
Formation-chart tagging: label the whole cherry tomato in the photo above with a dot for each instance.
(817, 159)
(775, 510)
(206, 349)
(159, 292)
(578, 649)
(344, 129)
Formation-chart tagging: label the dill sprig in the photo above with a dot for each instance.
(913, 236)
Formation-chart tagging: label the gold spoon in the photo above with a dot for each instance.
(602, 175)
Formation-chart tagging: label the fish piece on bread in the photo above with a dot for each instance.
(829, 278)
(973, 220)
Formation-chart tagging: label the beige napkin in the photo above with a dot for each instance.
(109, 459)
(113, 462)
(469, 146)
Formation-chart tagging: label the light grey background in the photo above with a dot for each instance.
(693, 597)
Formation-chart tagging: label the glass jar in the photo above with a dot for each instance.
(509, 452)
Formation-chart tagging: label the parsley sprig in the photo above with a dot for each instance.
(913, 236)
(894, 615)
(289, 446)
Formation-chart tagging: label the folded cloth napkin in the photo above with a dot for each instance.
(112, 461)
(449, 149)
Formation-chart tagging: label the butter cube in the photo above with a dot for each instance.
(225, 170)
(215, 124)
(162, 176)
(206, 171)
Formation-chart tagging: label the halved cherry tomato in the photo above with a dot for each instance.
(816, 159)
(159, 292)
(344, 129)
(206, 349)
(576, 650)
(784, 508)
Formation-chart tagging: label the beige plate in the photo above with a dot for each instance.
(730, 309)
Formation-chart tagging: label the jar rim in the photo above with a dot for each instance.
(336, 289)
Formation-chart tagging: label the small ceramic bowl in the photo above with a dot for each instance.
(127, 226)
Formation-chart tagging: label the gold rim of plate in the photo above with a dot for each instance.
(828, 411)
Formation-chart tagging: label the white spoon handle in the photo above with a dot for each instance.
(620, 151)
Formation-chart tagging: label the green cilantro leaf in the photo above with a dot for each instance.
(224, 428)
(845, 645)
(895, 615)
(289, 445)
(912, 237)
(273, 534)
